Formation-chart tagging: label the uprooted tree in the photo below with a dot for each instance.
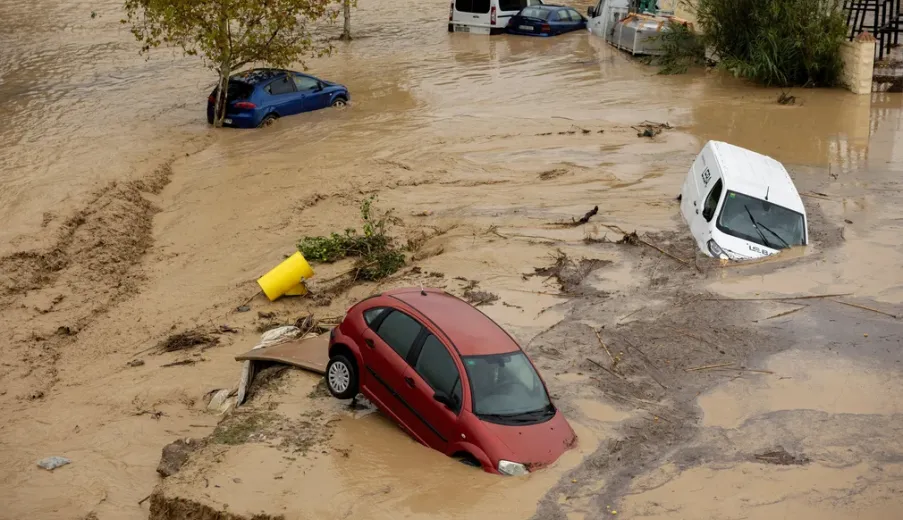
(229, 34)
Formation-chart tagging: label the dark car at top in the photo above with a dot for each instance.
(451, 377)
(545, 20)
(258, 97)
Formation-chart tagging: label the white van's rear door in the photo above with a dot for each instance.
(472, 16)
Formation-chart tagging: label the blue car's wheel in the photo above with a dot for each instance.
(268, 120)
(340, 102)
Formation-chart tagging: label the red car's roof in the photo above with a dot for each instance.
(471, 331)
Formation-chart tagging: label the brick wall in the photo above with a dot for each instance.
(858, 64)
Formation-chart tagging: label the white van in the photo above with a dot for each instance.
(484, 16)
(740, 204)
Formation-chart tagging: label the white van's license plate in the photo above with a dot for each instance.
(462, 28)
(525, 27)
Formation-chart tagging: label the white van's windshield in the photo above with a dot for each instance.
(761, 222)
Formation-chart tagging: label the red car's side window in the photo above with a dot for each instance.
(437, 367)
(372, 315)
(399, 331)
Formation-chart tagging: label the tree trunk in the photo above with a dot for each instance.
(346, 32)
(225, 69)
(219, 109)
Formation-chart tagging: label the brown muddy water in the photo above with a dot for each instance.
(125, 219)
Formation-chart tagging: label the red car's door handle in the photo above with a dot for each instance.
(369, 342)
(409, 381)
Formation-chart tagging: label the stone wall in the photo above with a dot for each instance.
(859, 63)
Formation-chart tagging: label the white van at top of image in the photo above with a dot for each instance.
(484, 16)
(740, 204)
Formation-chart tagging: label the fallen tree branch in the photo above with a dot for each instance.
(599, 337)
(746, 370)
(600, 365)
(777, 299)
(863, 307)
(632, 313)
(589, 214)
(682, 332)
(707, 367)
(646, 360)
(785, 313)
(662, 251)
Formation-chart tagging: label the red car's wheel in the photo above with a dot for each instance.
(341, 377)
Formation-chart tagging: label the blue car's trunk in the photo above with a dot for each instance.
(530, 25)
(239, 91)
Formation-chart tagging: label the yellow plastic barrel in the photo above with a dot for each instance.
(287, 278)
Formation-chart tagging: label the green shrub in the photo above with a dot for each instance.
(776, 42)
(376, 253)
(682, 49)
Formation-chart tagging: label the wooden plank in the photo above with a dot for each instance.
(310, 354)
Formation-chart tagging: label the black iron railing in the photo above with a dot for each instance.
(880, 17)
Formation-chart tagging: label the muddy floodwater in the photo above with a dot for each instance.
(695, 390)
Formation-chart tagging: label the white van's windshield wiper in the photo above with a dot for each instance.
(756, 226)
(775, 234)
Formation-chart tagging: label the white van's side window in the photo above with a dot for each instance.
(711, 202)
(472, 6)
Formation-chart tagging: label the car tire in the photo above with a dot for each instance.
(341, 377)
(268, 120)
(468, 460)
(340, 102)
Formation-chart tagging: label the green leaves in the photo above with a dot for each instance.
(776, 42)
(376, 252)
(682, 49)
(229, 34)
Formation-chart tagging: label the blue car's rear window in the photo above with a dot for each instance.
(533, 12)
(238, 90)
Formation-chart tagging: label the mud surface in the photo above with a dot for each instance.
(127, 222)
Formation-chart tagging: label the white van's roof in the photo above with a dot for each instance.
(755, 175)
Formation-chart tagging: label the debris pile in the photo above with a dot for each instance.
(186, 340)
(650, 128)
(568, 273)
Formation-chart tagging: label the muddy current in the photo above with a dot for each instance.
(695, 390)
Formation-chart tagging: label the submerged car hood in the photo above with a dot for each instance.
(536, 445)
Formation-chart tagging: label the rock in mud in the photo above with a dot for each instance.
(175, 455)
(51, 463)
(780, 457)
(135, 363)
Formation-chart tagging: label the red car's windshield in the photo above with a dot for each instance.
(507, 386)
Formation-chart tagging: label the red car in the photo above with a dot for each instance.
(451, 377)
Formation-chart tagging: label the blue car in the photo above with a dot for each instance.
(258, 97)
(545, 20)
